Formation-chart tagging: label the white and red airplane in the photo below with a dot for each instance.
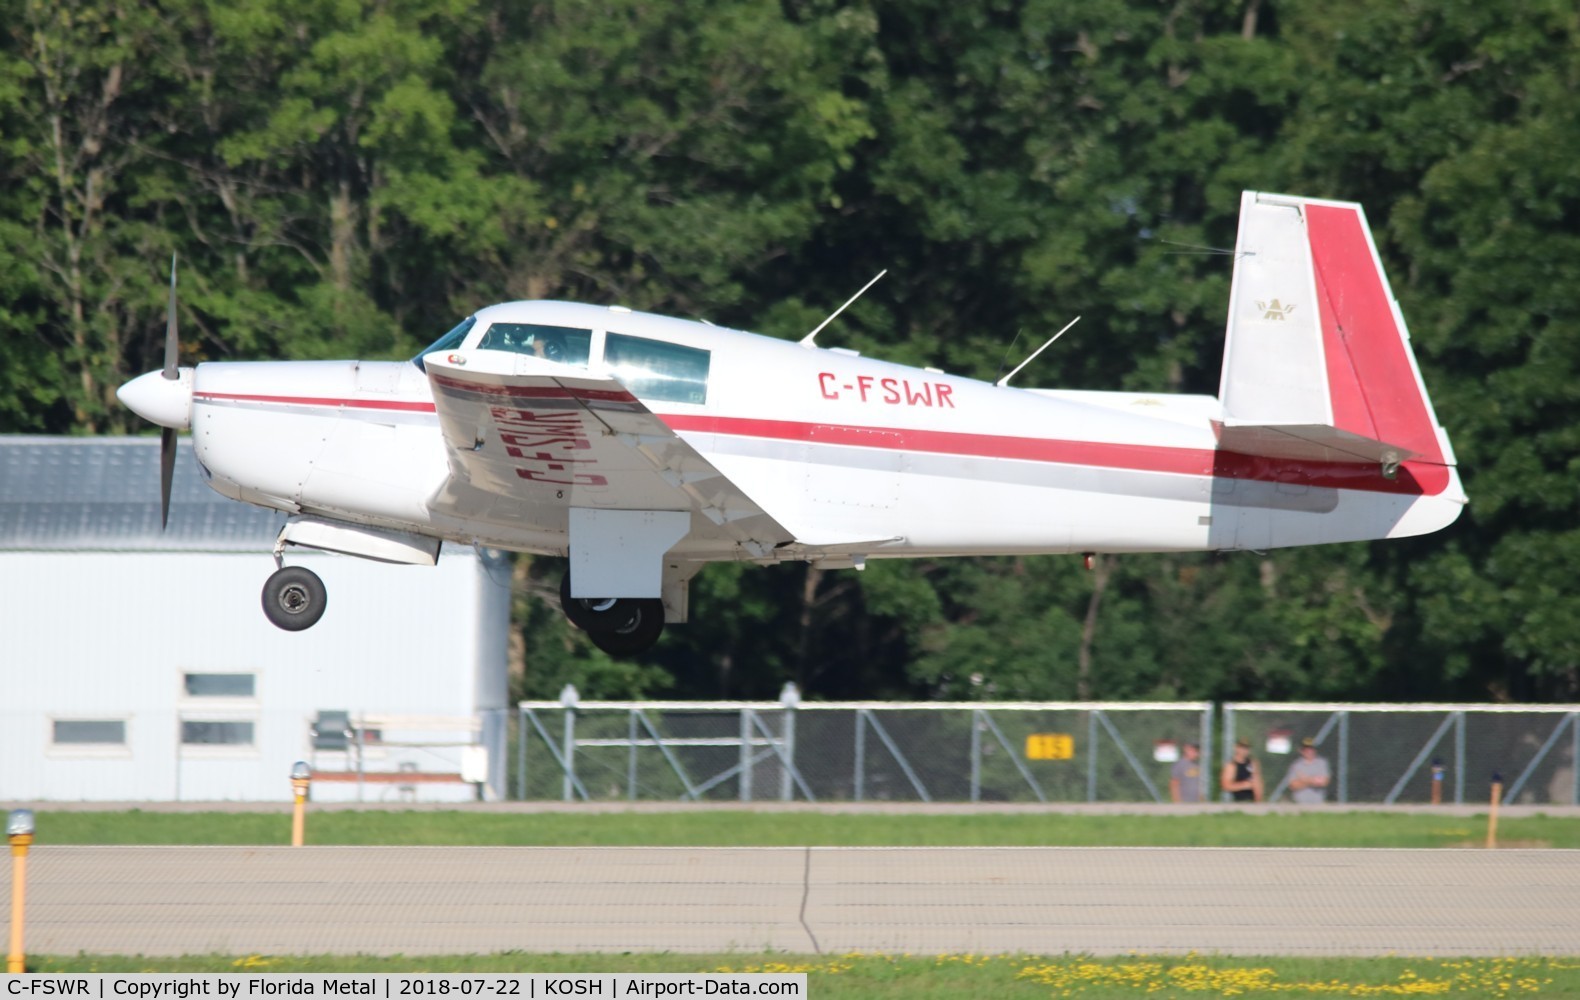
(642, 447)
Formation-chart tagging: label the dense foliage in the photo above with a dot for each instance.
(348, 177)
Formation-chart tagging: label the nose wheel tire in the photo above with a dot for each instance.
(294, 598)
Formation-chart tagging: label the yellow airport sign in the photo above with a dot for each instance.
(1050, 746)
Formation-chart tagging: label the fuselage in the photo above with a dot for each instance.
(838, 448)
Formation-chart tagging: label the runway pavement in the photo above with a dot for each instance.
(1050, 900)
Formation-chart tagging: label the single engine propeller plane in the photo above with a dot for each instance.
(643, 447)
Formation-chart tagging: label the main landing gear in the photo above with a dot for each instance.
(620, 626)
(294, 598)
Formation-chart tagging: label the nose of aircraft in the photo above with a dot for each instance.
(163, 401)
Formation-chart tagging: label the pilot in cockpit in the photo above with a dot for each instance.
(549, 346)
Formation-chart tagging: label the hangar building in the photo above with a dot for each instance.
(138, 665)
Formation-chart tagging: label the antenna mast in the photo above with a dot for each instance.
(810, 340)
(1038, 351)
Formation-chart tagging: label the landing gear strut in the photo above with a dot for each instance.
(294, 598)
(620, 626)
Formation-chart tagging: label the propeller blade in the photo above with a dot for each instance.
(172, 344)
(167, 472)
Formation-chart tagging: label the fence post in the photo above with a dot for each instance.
(1228, 741)
(521, 753)
(1091, 748)
(1205, 748)
(1459, 760)
(746, 755)
(1344, 755)
(630, 760)
(1574, 756)
(569, 699)
(976, 755)
(861, 754)
(789, 700)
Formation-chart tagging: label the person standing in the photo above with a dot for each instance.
(1308, 776)
(1242, 776)
(1185, 776)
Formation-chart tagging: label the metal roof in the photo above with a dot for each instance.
(102, 494)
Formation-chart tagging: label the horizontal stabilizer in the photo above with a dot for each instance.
(1307, 443)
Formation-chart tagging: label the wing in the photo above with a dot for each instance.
(529, 440)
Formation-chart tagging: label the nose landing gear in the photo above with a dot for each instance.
(294, 598)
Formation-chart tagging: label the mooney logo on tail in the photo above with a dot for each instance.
(1272, 310)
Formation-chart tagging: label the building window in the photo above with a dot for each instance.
(216, 734)
(654, 369)
(90, 732)
(220, 685)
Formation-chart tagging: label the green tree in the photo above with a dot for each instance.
(668, 148)
(78, 80)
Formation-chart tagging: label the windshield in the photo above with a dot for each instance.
(563, 344)
(448, 342)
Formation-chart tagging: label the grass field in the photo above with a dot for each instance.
(728, 829)
(959, 977)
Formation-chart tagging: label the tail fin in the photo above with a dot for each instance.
(1317, 364)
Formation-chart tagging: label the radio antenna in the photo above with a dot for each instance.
(810, 340)
(1038, 351)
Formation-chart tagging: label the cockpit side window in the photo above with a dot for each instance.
(448, 342)
(563, 344)
(654, 369)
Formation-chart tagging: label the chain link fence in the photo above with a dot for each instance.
(1030, 751)
(854, 751)
(1393, 753)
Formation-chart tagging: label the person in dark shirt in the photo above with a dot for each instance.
(1242, 776)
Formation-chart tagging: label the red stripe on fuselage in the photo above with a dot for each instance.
(1373, 386)
(355, 404)
(1414, 478)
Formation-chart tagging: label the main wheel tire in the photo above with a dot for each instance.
(636, 637)
(597, 614)
(294, 598)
